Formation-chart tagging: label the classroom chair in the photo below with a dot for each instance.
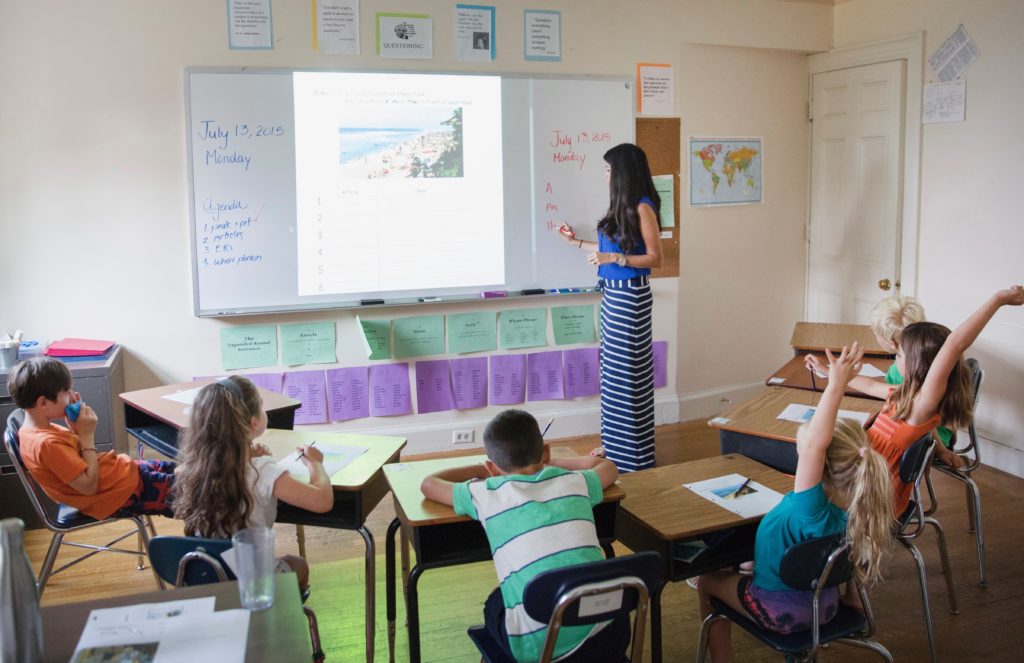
(62, 519)
(554, 598)
(971, 453)
(911, 524)
(187, 560)
(812, 565)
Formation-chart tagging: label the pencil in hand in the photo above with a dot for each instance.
(302, 452)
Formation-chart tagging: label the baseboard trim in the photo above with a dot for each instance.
(1002, 457)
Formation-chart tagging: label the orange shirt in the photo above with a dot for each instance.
(53, 457)
(892, 438)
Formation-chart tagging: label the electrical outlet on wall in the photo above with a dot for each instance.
(464, 436)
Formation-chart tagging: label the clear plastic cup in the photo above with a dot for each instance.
(254, 561)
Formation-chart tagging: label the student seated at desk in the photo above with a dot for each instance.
(836, 470)
(538, 515)
(64, 460)
(937, 387)
(226, 482)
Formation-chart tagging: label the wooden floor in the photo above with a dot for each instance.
(987, 627)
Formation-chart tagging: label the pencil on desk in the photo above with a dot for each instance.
(545, 431)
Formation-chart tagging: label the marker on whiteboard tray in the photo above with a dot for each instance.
(491, 294)
(430, 299)
(370, 302)
(533, 291)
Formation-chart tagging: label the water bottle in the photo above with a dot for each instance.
(21, 629)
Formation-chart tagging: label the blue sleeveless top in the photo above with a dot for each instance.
(606, 245)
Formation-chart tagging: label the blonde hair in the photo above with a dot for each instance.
(211, 494)
(889, 316)
(860, 476)
(921, 343)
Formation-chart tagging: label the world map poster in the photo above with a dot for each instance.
(725, 171)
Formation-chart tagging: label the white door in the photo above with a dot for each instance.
(856, 191)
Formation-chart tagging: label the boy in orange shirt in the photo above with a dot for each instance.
(65, 462)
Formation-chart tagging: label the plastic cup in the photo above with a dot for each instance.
(254, 561)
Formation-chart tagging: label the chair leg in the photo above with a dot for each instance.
(705, 628)
(933, 503)
(874, 646)
(974, 513)
(144, 524)
(314, 635)
(947, 569)
(51, 557)
(923, 581)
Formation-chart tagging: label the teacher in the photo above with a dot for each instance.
(628, 245)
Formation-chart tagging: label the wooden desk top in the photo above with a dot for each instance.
(416, 510)
(657, 498)
(152, 402)
(795, 375)
(758, 415)
(821, 335)
(279, 633)
(355, 475)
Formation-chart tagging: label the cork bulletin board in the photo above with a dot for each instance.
(658, 137)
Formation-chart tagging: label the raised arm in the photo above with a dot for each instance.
(865, 385)
(438, 486)
(812, 442)
(926, 403)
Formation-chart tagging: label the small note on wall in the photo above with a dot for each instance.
(544, 370)
(523, 328)
(389, 390)
(469, 382)
(310, 388)
(250, 346)
(665, 185)
(419, 336)
(573, 324)
(433, 386)
(308, 343)
(472, 332)
(508, 379)
(654, 89)
(250, 25)
(582, 373)
(376, 338)
(347, 393)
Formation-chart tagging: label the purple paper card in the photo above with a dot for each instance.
(582, 373)
(508, 379)
(268, 381)
(433, 386)
(660, 349)
(309, 388)
(545, 376)
(346, 394)
(469, 383)
(389, 390)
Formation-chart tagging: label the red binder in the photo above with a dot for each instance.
(78, 347)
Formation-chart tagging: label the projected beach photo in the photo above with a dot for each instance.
(420, 142)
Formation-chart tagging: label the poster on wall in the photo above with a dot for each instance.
(725, 171)
(405, 36)
(337, 27)
(474, 33)
(250, 25)
(542, 35)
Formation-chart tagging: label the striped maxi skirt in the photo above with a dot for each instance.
(627, 374)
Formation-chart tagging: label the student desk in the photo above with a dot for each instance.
(155, 421)
(753, 429)
(658, 511)
(358, 488)
(795, 375)
(441, 538)
(817, 336)
(279, 633)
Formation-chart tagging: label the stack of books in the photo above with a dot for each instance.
(80, 349)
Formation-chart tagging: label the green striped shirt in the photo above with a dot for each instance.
(535, 524)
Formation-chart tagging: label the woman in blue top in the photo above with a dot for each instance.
(836, 470)
(628, 245)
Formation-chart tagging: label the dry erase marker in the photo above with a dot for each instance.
(370, 302)
(430, 299)
(490, 294)
(533, 291)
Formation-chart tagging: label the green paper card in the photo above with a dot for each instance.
(523, 328)
(308, 343)
(573, 324)
(251, 346)
(376, 338)
(419, 336)
(472, 332)
(665, 185)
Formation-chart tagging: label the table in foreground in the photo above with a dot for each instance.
(441, 538)
(279, 633)
(657, 512)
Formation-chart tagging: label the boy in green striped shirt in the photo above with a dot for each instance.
(538, 515)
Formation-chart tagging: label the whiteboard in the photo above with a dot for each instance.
(260, 243)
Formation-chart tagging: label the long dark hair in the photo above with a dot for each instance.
(921, 343)
(630, 182)
(212, 495)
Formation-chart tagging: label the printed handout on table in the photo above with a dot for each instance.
(735, 492)
(336, 458)
(544, 370)
(389, 390)
(433, 386)
(308, 343)
(469, 382)
(185, 396)
(507, 379)
(347, 393)
(803, 413)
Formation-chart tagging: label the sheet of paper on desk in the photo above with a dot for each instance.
(801, 413)
(336, 458)
(869, 371)
(754, 500)
(173, 631)
(187, 396)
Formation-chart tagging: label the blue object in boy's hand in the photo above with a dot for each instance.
(72, 411)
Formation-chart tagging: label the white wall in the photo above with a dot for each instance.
(93, 191)
(971, 230)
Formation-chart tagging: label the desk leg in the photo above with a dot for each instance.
(656, 624)
(371, 582)
(300, 537)
(413, 614)
(405, 565)
(389, 584)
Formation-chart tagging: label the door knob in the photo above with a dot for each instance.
(884, 284)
